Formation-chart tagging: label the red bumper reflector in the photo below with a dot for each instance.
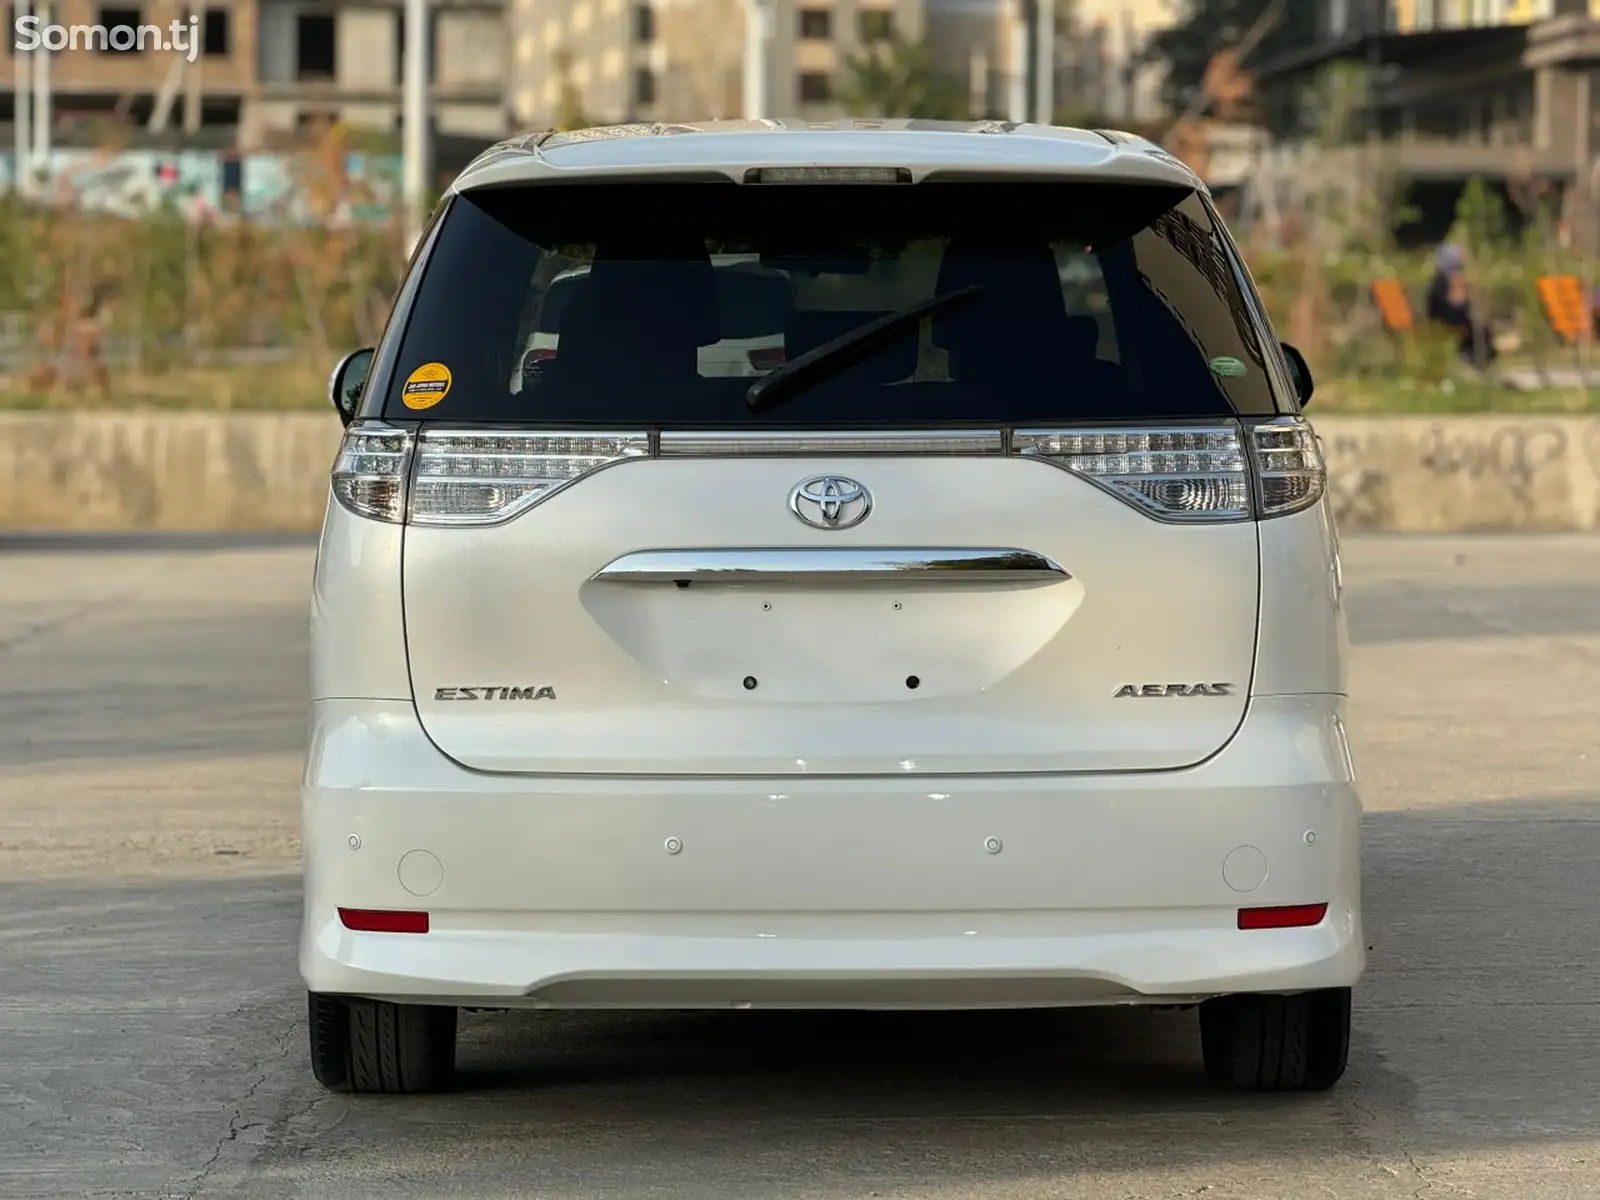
(1284, 916)
(373, 920)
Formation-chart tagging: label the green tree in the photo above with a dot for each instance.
(897, 79)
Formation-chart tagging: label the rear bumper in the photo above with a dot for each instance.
(896, 892)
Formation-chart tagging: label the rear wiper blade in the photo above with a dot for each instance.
(849, 348)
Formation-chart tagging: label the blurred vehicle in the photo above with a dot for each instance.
(988, 653)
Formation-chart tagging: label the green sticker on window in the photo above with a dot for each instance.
(1228, 368)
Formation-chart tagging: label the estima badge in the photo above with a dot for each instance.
(494, 692)
(1174, 689)
(830, 502)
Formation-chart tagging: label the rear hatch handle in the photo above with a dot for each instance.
(834, 565)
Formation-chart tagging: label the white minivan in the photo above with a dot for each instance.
(985, 650)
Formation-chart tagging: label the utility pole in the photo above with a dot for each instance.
(21, 84)
(1128, 70)
(1017, 100)
(1044, 67)
(43, 106)
(194, 90)
(759, 19)
(1589, 183)
(415, 114)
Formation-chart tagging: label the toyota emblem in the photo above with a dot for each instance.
(830, 502)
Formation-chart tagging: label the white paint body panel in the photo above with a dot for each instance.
(731, 148)
(650, 678)
(871, 892)
(1304, 642)
(358, 637)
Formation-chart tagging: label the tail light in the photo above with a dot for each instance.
(1193, 473)
(767, 358)
(1177, 474)
(479, 478)
(1289, 465)
(458, 477)
(369, 476)
(1190, 474)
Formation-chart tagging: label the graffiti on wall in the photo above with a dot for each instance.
(201, 184)
(1511, 470)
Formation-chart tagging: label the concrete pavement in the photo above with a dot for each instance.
(152, 1028)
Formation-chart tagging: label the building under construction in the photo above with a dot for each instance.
(266, 70)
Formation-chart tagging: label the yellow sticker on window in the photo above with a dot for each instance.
(426, 386)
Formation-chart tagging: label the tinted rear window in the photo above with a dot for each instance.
(660, 304)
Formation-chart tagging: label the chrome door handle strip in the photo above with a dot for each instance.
(834, 564)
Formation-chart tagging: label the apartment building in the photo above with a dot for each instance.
(1099, 71)
(1101, 67)
(345, 60)
(626, 60)
(269, 68)
(92, 78)
(1456, 88)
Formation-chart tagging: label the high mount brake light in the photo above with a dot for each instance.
(828, 175)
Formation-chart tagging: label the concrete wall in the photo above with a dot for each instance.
(71, 471)
(246, 471)
(1423, 474)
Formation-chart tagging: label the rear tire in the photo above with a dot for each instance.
(374, 1046)
(1269, 1043)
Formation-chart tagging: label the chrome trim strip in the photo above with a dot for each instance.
(717, 443)
(853, 564)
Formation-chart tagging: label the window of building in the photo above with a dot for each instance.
(815, 88)
(875, 26)
(115, 21)
(644, 24)
(816, 25)
(644, 87)
(215, 33)
(314, 46)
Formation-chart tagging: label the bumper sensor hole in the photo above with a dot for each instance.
(749, 683)
(913, 682)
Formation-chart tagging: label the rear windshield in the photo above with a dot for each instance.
(660, 304)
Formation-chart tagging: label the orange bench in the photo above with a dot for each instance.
(1393, 305)
(1561, 297)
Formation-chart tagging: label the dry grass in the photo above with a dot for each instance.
(117, 312)
(285, 387)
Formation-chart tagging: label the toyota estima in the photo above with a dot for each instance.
(985, 650)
